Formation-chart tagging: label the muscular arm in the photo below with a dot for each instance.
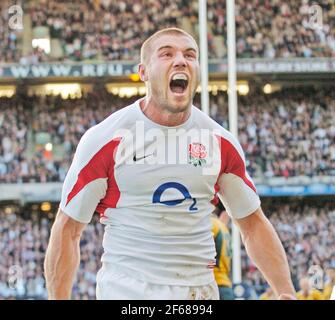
(63, 256)
(265, 249)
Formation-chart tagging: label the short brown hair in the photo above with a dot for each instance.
(168, 31)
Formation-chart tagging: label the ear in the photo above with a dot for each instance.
(142, 72)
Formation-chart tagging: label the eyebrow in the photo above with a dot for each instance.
(169, 47)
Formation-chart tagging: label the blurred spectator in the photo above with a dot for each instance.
(307, 292)
(14, 120)
(330, 283)
(223, 246)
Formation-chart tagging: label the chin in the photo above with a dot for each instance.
(177, 107)
(179, 104)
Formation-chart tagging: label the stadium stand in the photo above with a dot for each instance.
(307, 232)
(299, 142)
(114, 30)
(23, 243)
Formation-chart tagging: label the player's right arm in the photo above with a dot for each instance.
(84, 187)
(62, 256)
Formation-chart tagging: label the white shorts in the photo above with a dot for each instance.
(112, 284)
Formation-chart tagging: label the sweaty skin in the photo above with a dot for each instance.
(170, 55)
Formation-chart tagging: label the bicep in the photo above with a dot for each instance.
(236, 188)
(86, 181)
(239, 198)
(80, 200)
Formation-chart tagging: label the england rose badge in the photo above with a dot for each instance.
(197, 154)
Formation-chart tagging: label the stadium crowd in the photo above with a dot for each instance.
(287, 134)
(115, 30)
(307, 232)
(23, 245)
(22, 117)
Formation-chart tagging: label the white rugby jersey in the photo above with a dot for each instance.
(154, 188)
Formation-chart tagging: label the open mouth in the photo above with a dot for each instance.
(178, 85)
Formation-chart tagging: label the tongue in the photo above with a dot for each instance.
(177, 89)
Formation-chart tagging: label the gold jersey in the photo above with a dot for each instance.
(222, 241)
(314, 294)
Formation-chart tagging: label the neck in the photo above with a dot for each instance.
(161, 116)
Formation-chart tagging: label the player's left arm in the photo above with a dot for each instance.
(265, 249)
(239, 196)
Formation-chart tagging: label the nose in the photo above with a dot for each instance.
(179, 60)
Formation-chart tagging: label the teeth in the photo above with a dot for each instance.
(179, 76)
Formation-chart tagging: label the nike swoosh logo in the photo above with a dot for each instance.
(137, 159)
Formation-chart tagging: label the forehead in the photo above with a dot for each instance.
(181, 42)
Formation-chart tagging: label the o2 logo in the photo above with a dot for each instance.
(156, 198)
